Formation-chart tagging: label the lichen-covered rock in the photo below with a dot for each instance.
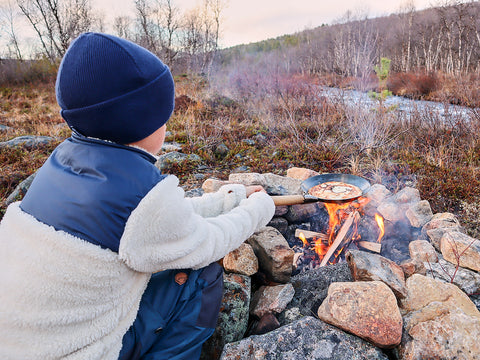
(311, 289)
(233, 319)
(422, 250)
(274, 255)
(419, 213)
(307, 338)
(435, 235)
(369, 267)
(282, 185)
(442, 220)
(28, 141)
(175, 157)
(367, 309)
(271, 299)
(407, 195)
(248, 178)
(461, 249)
(465, 279)
(241, 260)
(440, 322)
(171, 146)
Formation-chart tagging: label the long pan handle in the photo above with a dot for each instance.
(288, 199)
(280, 200)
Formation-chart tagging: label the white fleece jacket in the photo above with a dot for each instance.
(62, 297)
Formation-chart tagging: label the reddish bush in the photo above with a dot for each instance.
(414, 85)
(183, 102)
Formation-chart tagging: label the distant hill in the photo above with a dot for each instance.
(445, 38)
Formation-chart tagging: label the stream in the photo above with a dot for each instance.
(402, 106)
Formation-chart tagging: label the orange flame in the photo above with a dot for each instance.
(320, 248)
(381, 225)
(334, 216)
(302, 237)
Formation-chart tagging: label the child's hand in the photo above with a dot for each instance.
(253, 189)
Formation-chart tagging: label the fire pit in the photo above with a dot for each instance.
(348, 227)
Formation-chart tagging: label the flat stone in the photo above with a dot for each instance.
(367, 309)
(4, 127)
(440, 321)
(28, 141)
(274, 254)
(372, 267)
(213, 185)
(461, 249)
(442, 220)
(301, 173)
(282, 185)
(247, 178)
(307, 338)
(233, 318)
(174, 157)
(241, 260)
(419, 213)
(271, 299)
(422, 251)
(465, 279)
(407, 195)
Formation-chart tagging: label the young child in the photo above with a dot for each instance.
(77, 254)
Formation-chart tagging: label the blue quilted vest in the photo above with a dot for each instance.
(89, 187)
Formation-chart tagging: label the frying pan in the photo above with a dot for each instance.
(307, 184)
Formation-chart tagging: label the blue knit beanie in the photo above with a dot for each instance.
(112, 89)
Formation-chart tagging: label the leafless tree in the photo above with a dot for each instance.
(122, 26)
(8, 20)
(57, 22)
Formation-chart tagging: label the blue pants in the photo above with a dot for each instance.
(175, 319)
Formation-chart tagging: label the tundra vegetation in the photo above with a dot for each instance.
(269, 93)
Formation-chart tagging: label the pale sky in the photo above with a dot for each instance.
(246, 21)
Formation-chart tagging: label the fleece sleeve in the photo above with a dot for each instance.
(165, 232)
(222, 201)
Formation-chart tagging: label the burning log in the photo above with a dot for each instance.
(375, 247)
(341, 236)
(310, 234)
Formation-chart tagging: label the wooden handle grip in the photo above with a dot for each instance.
(288, 200)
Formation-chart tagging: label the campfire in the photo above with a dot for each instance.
(320, 249)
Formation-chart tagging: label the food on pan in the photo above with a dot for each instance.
(335, 190)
